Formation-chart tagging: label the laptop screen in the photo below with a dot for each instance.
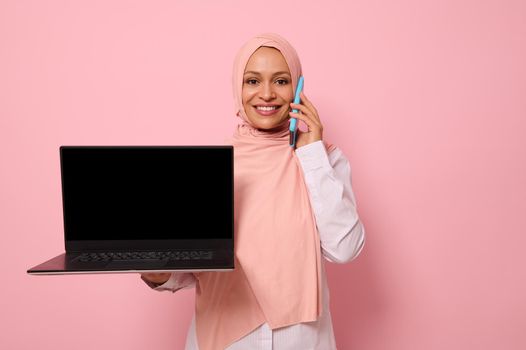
(147, 193)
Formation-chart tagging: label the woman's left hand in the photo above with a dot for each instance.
(309, 115)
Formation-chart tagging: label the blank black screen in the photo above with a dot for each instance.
(135, 193)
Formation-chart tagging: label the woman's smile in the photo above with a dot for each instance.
(267, 110)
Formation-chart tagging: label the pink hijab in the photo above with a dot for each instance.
(277, 276)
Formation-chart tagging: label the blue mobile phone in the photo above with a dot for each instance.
(293, 128)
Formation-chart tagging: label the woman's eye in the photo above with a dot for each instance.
(251, 81)
(282, 81)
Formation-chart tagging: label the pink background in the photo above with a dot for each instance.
(426, 98)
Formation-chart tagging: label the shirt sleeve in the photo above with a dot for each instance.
(328, 180)
(178, 280)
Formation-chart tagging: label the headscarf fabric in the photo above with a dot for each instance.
(277, 275)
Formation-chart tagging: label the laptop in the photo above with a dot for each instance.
(145, 209)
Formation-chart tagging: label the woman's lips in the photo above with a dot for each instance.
(267, 113)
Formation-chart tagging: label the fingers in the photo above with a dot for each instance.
(155, 275)
(314, 133)
(308, 103)
(161, 277)
(309, 115)
(311, 123)
(306, 108)
(305, 114)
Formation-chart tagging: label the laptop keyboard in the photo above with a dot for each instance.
(142, 255)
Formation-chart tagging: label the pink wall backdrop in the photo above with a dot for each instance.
(426, 98)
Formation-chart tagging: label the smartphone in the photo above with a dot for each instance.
(293, 127)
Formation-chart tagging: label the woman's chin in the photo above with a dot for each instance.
(268, 124)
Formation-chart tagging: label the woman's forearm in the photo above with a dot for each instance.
(328, 179)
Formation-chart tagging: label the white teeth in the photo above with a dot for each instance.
(264, 108)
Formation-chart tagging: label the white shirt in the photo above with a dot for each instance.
(342, 237)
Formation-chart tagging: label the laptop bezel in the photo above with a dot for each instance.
(72, 246)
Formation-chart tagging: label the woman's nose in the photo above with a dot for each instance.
(267, 92)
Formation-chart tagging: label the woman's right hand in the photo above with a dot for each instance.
(158, 278)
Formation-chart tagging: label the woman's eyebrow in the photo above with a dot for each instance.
(258, 73)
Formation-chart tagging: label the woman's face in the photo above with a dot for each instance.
(267, 88)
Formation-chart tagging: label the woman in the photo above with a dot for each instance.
(291, 207)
